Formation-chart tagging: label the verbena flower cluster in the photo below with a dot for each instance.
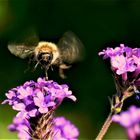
(22, 126)
(125, 64)
(130, 120)
(64, 129)
(35, 98)
(123, 60)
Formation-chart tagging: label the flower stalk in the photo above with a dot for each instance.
(44, 128)
(116, 107)
(104, 127)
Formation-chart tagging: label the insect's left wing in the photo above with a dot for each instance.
(71, 48)
(23, 47)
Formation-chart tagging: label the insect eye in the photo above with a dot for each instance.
(49, 56)
(40, 56)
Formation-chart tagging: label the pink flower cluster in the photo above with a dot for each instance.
(64, 129)
(130, 120)
(123, 59)
(32, 99)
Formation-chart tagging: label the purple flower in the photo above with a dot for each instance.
(36, 100)
(64, 129)
(110, 52)
(33, 98)
(122, 64)
(22, 126)
(130, 120)
(43, 103)
(125, 64)
(124, 60)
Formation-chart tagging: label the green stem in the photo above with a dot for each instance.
(104, 127)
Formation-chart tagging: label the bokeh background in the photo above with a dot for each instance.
(99, 24)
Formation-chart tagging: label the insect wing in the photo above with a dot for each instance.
(21, 51)
(71, 48)
(24, 46)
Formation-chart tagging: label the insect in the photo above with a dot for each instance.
(68, 50)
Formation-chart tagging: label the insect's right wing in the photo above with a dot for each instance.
(21, 50)
(24, 46)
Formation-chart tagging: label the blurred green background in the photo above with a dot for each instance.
(99, 24)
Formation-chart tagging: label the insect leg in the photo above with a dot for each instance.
(46, 74)
(46, 71)
(29, 65)
(61, 70)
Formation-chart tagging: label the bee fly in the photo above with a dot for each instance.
(68, 50)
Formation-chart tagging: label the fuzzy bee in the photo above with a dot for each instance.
(68, 50)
